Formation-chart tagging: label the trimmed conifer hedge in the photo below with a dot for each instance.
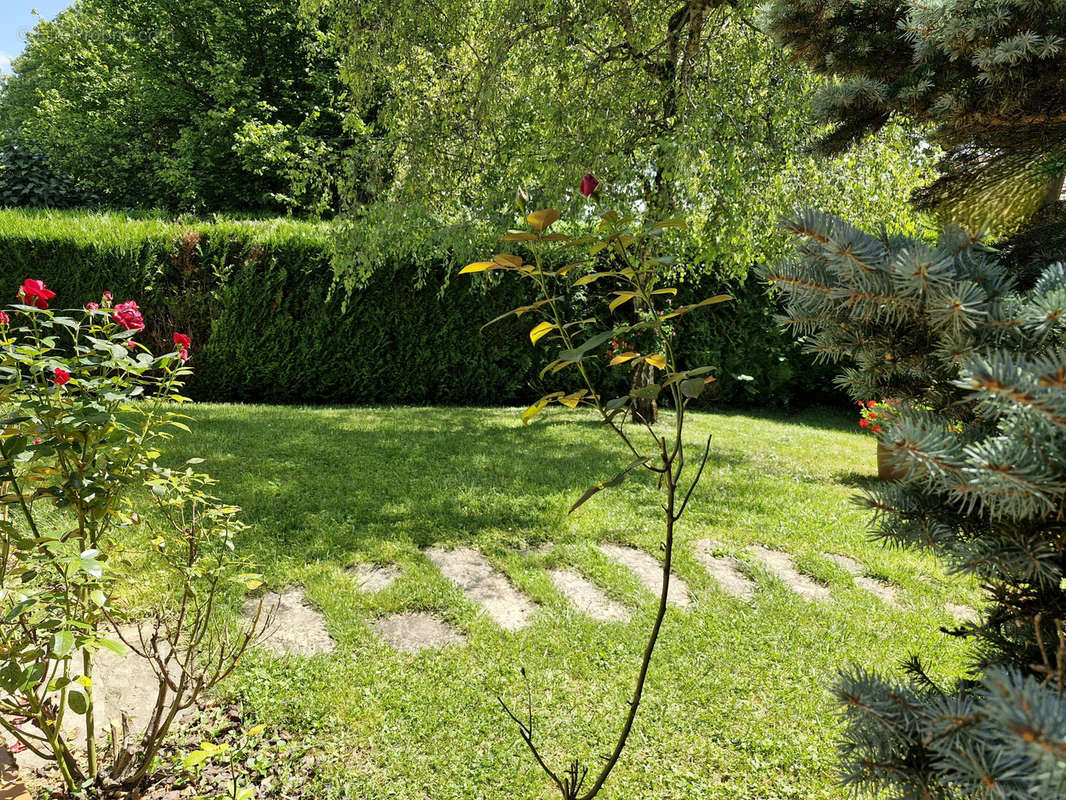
(269, 324)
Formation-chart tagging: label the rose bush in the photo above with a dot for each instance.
(87, 410)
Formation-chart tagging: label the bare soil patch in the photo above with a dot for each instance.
(724, 569)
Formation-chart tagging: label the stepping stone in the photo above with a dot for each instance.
(962, 612)
(724, 569)
(122, 685)
(649, 571)
(374, 578)
(484, 585)
(781, 565)
(586, 597)
(411, 632)
(884, 591)
(295, 627)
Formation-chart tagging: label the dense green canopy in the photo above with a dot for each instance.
(189, 105)
(675, 106)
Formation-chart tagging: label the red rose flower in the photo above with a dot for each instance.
(107, 297)
(4, 318)
(61, 376)
(129, 316)
(588, 185)
(182, 340)
(876, 429)
(35, 293)
(92, 306)
(864, 423)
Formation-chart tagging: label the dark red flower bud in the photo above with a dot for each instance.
(588, 185)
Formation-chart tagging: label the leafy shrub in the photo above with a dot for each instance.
(88, 406)
(260, 298)
(27, 180)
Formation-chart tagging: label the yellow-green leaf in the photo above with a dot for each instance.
(670, 290)
(710, 301)
(621, 298)
(658, 360)
(595, 276)
(477, 266)
(507, 260)
(538, 406)
(571, 400)
(519, 236)
(543, 218)
(540, 331)
(622, 358)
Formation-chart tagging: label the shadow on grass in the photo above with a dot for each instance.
(320, 484)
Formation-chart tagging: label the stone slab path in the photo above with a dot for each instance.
(484, 585)
(373, 577)
(295, 627)
(649, 571)
(782, 566)
(724, 569)
(122, 684)
(587, 597)
(962, 613)
(299, 629)
(412, 632)
(880, 589)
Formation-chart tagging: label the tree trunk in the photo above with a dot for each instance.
(645, 409)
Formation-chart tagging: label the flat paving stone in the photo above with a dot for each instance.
(295, 627)
(485, 585)
(782, 566)
(412, 632)
(374, 577)
(962, 612)
(122, 685)
(586, 596)
(649, 571)
(724, 569)
(880, 589)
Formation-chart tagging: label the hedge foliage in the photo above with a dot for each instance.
(269, 324)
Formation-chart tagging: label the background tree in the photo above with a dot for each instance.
(682, 106)
(678, 105)
(199, 105)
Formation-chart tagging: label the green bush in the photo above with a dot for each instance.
(268, 325)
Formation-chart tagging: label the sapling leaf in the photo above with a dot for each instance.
(599, 487)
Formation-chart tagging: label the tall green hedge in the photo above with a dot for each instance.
(258, 298)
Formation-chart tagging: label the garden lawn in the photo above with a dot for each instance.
(737, 703)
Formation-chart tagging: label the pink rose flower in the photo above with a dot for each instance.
(35, 293)
(128, 316)
(92, 306)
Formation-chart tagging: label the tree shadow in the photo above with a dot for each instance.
(324, 484)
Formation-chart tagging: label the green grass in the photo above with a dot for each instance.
(737, 703)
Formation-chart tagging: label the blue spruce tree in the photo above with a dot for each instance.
(972, 340)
